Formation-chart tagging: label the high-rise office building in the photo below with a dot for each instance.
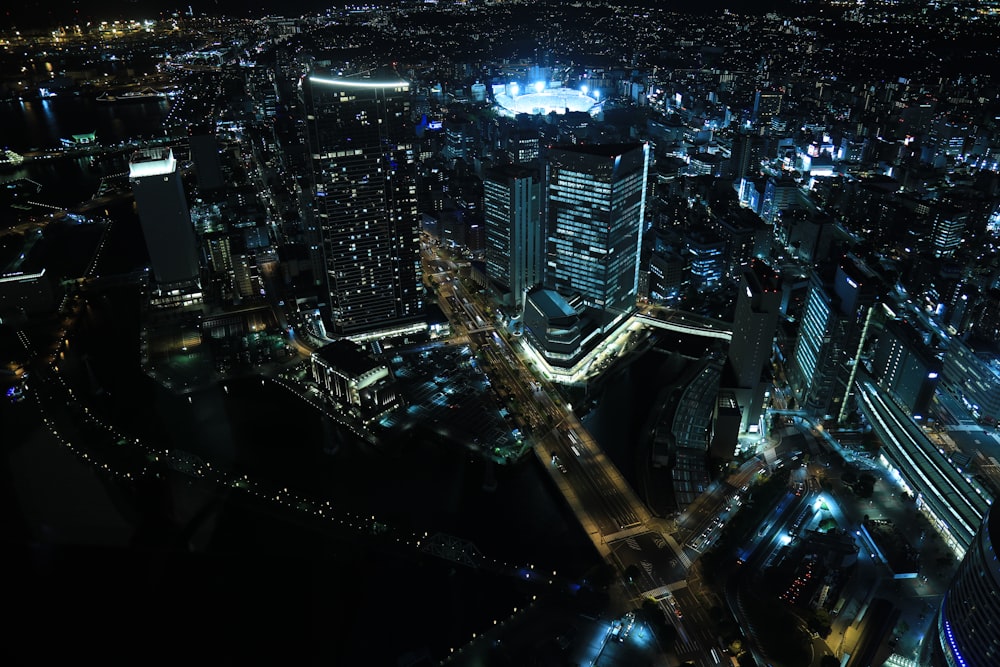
(968, 622)
(766, 105)
(833, 327)
(706, 258)
(522, 146)
(594, 207)
(513, 231)
(207, 164)
(165, 219)
(362, 158)
(740, 229)
(907, 365)
(947, 227)
(758, 306)
(779, 195)
(973, 375)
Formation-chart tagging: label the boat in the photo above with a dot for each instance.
(144, 95)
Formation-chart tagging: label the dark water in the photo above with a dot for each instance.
(32, 125)
(268, 573)
(68, 181)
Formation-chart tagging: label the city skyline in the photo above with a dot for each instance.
(501, 333)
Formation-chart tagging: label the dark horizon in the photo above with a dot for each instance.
(38, 15)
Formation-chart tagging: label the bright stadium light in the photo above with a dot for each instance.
(513, 88)
(539, 86)
(597, 94)
(584, 89)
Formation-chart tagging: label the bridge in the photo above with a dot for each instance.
(688, 323)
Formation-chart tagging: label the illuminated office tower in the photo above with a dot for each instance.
(968, 622)
(513, 232)
(706, 255)
(947, 227)
(165, 219)
(593, 214)
(362, 158)
(833, 327)
(522, 146)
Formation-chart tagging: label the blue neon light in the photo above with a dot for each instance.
(953, 645)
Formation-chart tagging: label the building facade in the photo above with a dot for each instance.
(758, 306)
(165, 219)
(358, 383)
(593, 212)
(362, 159)
(834, 325)
(513, 232)
(974, 377)
(968, 624)
(947, 228)
(906, 366)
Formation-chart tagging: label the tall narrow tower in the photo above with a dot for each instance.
(513, 231)
(165, 219)
(758, 305)
(363, 165)
(595, 199)
(947, 227)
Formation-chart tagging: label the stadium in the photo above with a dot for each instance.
(543, 99)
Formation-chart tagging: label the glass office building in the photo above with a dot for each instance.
(594, 210)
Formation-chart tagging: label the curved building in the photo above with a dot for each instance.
(968, 626)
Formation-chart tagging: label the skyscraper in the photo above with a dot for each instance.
(968, 623)
(766, 105)
(907, 364)
(362, 157)
(758, 306)
(165, 219)
(833, 327)
(593, 212)
(947, 227)
(513, 231)
(207, 165)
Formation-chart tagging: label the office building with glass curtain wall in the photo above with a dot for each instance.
(362, 157)
(513, 232)
(594, 210)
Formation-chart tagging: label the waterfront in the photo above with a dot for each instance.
(256, 565)
(65, 182)
(256, 562)
(40, 124)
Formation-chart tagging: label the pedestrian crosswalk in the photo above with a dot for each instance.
(677, 550)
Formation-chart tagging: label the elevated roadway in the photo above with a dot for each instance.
(687, 323)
